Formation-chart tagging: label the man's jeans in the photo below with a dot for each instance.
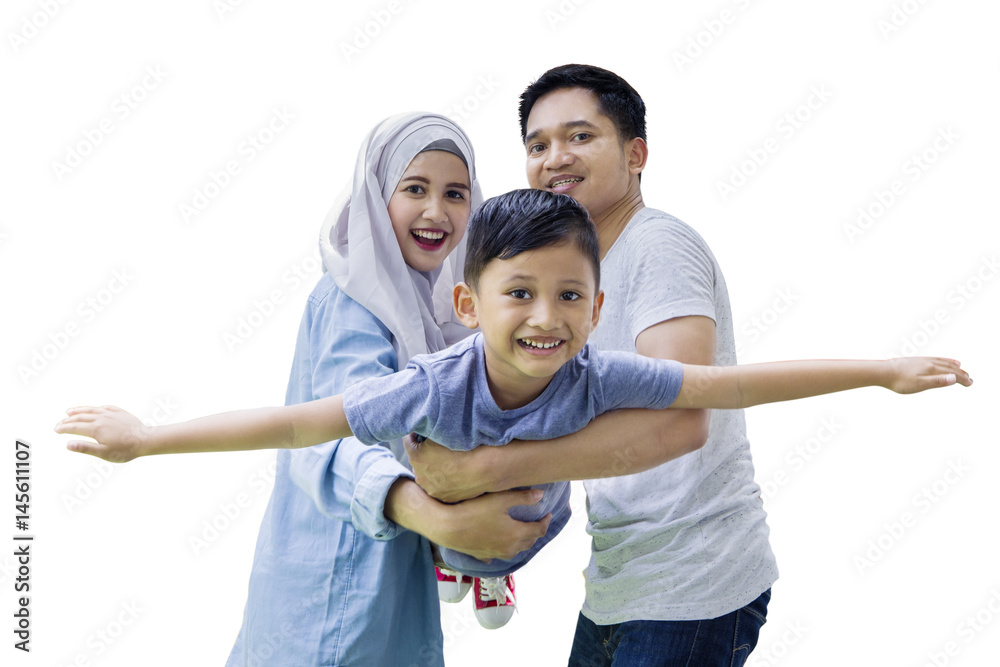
(720, 642)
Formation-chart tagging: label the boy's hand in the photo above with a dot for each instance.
(120, 436)
(909, 375)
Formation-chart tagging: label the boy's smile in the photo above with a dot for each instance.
(536, 311)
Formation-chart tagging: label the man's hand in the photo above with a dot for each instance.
(450, 476)
(120, 436)
(909, 375)
(480, 527)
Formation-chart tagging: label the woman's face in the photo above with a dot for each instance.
(430, 208)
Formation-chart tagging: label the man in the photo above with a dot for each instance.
(681, 567)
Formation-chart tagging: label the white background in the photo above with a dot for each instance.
(872, 571)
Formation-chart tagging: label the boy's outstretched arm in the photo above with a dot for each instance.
(122, 437)
(735, 387)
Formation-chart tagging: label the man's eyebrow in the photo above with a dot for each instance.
(571, 124)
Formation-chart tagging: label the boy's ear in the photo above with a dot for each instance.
(598, 304)
(465, 305)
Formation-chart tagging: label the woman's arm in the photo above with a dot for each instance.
(121, 437)
(480, 527)
(736, 387)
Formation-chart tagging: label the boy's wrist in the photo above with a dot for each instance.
(147, 442)
(886, 373)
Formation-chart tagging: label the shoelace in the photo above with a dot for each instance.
(495, 588)
(452, 573)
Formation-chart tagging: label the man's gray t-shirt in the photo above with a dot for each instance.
(445, 397)
(686, 540)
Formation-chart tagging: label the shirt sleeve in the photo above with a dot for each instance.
(630, 380)
(389, 407)
(671, 274)
(339, 344)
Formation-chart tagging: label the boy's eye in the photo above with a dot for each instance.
(569, 296)
(519, 294)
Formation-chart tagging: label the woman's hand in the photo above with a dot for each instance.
(480, 527)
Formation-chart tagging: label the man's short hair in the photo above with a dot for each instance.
(522, 220)
(616, 98)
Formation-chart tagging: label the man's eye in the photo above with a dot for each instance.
(535, 148)
(581, 136)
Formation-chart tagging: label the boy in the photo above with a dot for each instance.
(533, 273)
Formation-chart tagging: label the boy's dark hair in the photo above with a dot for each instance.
(521, 220)
(616, 98)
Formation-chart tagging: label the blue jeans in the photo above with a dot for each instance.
(720, 642)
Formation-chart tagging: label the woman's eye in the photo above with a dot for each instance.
(414, 189)
(456, 194)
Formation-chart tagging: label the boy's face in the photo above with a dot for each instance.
(536, 311)
(575, 149)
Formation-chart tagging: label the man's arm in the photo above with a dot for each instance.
(616, 443)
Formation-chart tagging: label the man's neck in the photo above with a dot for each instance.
(611, 223)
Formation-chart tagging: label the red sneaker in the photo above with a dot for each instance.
(494, 600)
(452, 586)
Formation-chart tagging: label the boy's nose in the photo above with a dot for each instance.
(544, 315)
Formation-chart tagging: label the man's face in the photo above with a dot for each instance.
(574, 148)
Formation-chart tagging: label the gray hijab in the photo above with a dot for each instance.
(359, 247)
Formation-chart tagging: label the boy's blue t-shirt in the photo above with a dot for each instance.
(445, 397)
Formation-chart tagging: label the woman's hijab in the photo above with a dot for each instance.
(360, 250)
